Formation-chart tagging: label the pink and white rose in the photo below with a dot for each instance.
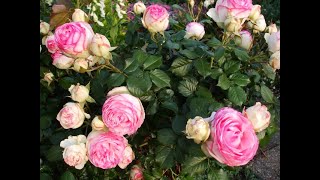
(79, 93)
(258, 115)
(236, 8)
(245, 40)
(105, 149)
(72, 116)
(51, 44)
(139, 7)
(61, 61)
(136, 173)
(155, 18)
(74, 38)
(273, 41)
(194, 30)
(128, 157)
(75, 152)
(233, 141)
(123, 114)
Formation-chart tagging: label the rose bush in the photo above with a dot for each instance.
(156, 90)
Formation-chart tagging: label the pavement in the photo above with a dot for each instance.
(266, 164)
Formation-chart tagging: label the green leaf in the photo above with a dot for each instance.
(67, 176)
(165, 156)
(45, 176)
(217, 174)
(240, 79)
(180, 66)
(160, 78)
(152, 62)
(241, 54)
(54, 153)
(139, 86)
(189, 54)
(114, 32)
(66, 82)
(213, 42)
(219, 53)
(179, 156)
(115, 79)
(176, 6)
(215, 73)
(172, 45)
(187, 86)
(223, 82)
(267, 69)
(195, 165)
(166, 94)
(90, 100)
(231, 67)
(267, 94)
(178, 36)
(171, 105)
(140, 56)
(166, 136)
(152, 107)
(45, 122)
(199, 106)
(237, 95)
(131, 65)
(179, 124)
(203, 92)
(203, 67)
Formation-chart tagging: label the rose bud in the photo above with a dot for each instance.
(128, 157)
(245, 40)
(258, 115)
(275, 60)
(139, 7)
(198, 129)
(98, 125)
(155, 19)
(260, 24)
(100, 46)
(72, 116)
(79, 15)
(61, 61)
(273, 41)
(255, 12)
(232, 24)
(44, 27)
(194, 30)
(48, 77)
(272, 28)
(136, 173)
(80, 65)
(79, 93)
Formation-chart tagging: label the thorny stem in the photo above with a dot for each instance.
(114, 69)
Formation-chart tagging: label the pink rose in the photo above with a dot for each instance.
(136, 173)
(61, 61)
(51, 44)
(194, 30)
(236, 8)
(155, 18)
(258, 115)
(233, 141)
(72, 115)
(105, 149)
(74, 38)
(128, 157)
(123, 114)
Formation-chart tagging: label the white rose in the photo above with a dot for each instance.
(44, 27)
(198, 129)
(79, 15)
(273, 41)
(260, 24)
(100, 46)
(139, 7)
(79, 93)
(80, 65)
(98, 125)
(61, 61)
(255, 12)
(245, 40)
(259, 116)
(272, 28)
(75, 152)
(72, 116)
(207, 3)
(194, 30)
(275, 60)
